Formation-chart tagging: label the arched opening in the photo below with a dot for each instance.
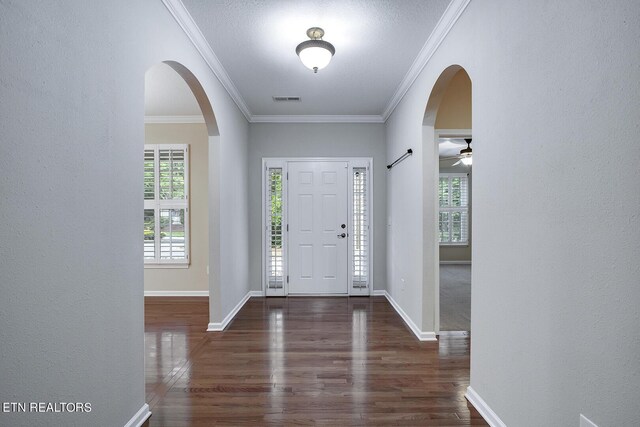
(447, 203)
(181, 214)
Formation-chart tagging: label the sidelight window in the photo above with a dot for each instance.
(275, 279)
(360, 228)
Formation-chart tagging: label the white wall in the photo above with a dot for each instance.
(72, 85)
(193, 278)
(555, 273)
(318, 140)
(234, 217)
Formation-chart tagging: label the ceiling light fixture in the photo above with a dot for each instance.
(316, 53)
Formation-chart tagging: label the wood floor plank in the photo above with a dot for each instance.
(301, 361)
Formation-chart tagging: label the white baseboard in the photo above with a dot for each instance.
(586, 422)
(219, 326)
(456, 262)
(422, 336)
(176, 293)
(379, 292)
(312, 294)
(140, 417)
(481, 406)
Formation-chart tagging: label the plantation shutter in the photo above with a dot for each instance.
(360, 228)
(274, 237)
(453, 197)
(166, 217)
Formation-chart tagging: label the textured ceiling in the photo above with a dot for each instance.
(376, 43)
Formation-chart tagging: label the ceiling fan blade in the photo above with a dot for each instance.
(449, 158)
(457, 163)
(454, 143)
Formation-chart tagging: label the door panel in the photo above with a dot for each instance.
(306, 261)
(329, 259)
(305, 207)
(329, 212)
(318, 257)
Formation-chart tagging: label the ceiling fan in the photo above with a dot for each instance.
(465, 156)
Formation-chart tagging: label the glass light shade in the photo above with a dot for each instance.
(467, 161)
(315, 54)
(315, 57)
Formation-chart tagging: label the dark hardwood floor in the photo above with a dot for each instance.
(301, 361)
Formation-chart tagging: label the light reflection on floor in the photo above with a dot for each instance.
(276, 356)
(358, 354)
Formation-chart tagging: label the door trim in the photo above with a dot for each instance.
(352, 162)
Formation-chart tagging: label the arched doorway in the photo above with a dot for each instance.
(181, 214)
(447, 203)
(179, 124)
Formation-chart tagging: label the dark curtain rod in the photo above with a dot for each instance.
(401, 158)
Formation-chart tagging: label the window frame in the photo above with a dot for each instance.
(158, 204)
(361, 287)
(274, 281)
(451, 209)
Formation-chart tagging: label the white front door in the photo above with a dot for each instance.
(318, 214)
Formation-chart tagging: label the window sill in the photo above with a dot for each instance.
(151, 265)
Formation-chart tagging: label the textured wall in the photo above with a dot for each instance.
(71, 309)
(233, 233)
(318, 140)
(555, 236)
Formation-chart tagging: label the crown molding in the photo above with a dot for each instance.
(173, 119)
(453, 133)
(188, 25)
(442, 28)
(317, 119)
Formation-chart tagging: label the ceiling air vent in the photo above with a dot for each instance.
(286, 98)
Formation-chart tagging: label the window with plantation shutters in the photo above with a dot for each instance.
(453, 195)
(166, 204)
(275, 260)
(360, 228)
